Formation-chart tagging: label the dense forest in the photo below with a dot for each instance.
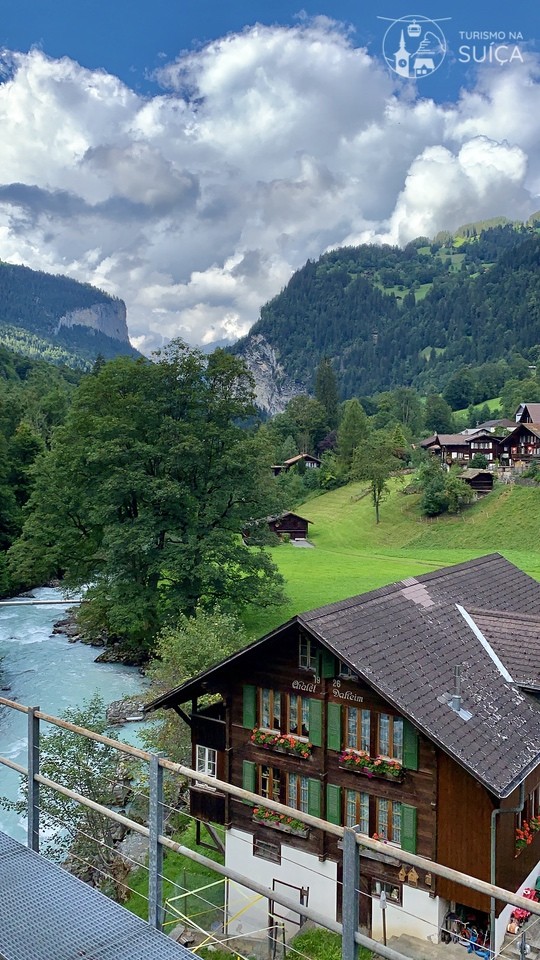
(387, 316)
(32, 304)
(34, 399)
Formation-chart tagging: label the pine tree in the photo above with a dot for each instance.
(326, 391)
(352, 431)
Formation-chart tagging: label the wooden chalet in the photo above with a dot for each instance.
(378, 735)
(311, 463)
(528, 413)
(292, 524)
(462, 447)
(481, 481)
(522, 445)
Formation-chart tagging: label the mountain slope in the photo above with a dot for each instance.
(389, 317)
(59, 319)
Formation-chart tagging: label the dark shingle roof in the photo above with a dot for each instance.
(405, 641)
(516, 640)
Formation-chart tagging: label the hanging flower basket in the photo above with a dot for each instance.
(359, 761)
(279, 821)
(281, 743)
(525, 833)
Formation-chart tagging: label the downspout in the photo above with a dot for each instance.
(493, 873)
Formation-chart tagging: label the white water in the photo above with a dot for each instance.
(41, 669)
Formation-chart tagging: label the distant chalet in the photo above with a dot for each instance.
(311, 463)
(290, 524)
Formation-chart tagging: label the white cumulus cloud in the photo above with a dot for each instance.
(264, 148)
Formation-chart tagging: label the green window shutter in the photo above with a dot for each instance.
(314, 797)
(249, 716)
(408, 828)
(315, 722)
(333, 804)
(333, 740)
(248, 776)
(410, 746)
(327, 664)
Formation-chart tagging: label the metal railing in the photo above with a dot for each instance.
(351, 841)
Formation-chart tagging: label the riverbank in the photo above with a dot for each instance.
(112, 651)
(42, 668)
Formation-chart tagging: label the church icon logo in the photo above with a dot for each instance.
(414, 46)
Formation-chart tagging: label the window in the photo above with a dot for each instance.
(358, 729)
(298, 792)
(357, 810)
(269, 709)
(345, 670)
(298, 722)
(390, 737)
(393, 891)
(266, 850)
(269, 783)
(307, 652)
(206, 761)
(388, 820)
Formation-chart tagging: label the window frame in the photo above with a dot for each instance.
(301, 790)
(390, 820)
(206, 769)
(360, 797)
(274, 700)
(391, 754)
(387, 885)
(274, 781)
(310, 657)
(362, 742)
(266, 849)
(302, 711)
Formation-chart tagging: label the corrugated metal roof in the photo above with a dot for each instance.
(48, 914)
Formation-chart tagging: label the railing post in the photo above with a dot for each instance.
(350, 899)
(33, 785)
(155, 851)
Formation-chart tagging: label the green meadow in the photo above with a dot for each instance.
(352, 554)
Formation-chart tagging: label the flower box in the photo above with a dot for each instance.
(276, 821)
(281, 743)
(358, 761)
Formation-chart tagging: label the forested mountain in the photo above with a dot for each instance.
(389, 317)
(58, 319)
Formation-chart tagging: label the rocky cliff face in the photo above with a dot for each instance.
(108, 318)
(273, 387)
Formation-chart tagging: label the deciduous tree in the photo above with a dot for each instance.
(375, 462)
(145, 491)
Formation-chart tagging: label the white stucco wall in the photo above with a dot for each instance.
(248, 914)
(420, 916)
(502, 921)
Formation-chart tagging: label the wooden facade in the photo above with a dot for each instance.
(295, 526)
(523, 444)
(350, 713)
(445, 814)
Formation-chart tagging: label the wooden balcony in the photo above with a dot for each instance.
(207, 805)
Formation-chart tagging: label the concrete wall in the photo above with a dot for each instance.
(248, 913)
(502, 921)
(420, 916)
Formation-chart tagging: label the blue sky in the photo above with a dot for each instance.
(189, 157)
(131, 38)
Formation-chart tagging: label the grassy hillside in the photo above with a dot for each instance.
(352, 554)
